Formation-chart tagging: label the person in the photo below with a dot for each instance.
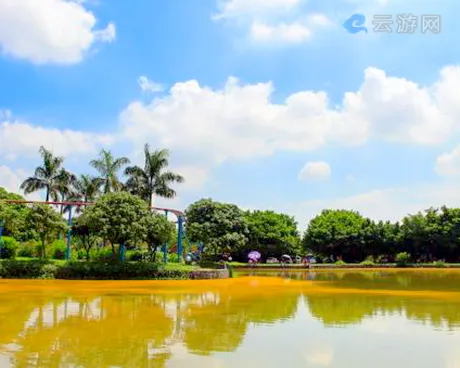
(306, 262)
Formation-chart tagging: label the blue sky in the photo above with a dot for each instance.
(266, 104)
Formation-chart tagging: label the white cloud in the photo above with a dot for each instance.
(239, 8)
(319, 19)
(240, 121)
(449, 163)
(315, 170)
(350, 178)
(147, 85)
(49, 31)
(274, 22)
(23, 139)
(11, 180)
(282, 33)
(195, 176)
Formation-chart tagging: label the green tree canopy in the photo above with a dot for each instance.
(221, 226)
(336, 233)
(46, 223)
(273, 234)
(81, 228)
(119, 218)
(13, 216)
(158, 231)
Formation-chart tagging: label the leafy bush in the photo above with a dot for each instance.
(367, 263)
(439, 264)
(28, 249)
(116, 271)
(48, 271)
(101, 254)
(173, 258)
(134, 255)
(402, 259)
(58, 249)
(340, 263)
(9, 247)
(24, 269)
(42, 269)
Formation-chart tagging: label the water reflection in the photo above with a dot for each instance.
(161, 325)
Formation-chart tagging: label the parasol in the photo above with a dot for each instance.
(254, 255)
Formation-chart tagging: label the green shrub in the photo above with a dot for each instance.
(103, 254)
(42, 269)
(439, 264)
(134, 255)
(173, 258)
(48, 271)
(28, 249)
(367, 263)
(340, 263)
(24, 269)
(116, 271)
(58, 249)
(9, 248)
(402, 259)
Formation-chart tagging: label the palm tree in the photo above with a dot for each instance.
(152, 180)
(65, 184)
(85, 189)
(50, 176)
(108, 167)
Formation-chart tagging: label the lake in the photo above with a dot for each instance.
(343, 318)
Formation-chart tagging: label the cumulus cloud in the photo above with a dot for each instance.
(205, 127)
(291, 33)
(315, 170)
(19, 138)
(11, 180)
(147, 85)
(57, 31)
(239, 8)
(240, 121)
(449, 163)
(274, 22)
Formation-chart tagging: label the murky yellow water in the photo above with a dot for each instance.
(299, 319)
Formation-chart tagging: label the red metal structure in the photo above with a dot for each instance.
(179, 214)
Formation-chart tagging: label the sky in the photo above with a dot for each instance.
(268, 104)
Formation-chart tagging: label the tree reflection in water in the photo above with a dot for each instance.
(144, 327)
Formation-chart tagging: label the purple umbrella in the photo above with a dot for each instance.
(254, 255)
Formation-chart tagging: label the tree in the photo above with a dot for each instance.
(152, 180)
(46, 222)
(108, 167)
(118, 218)
(337, 233)
(81, 227)
(65, 182)
(221, 226)
(158, 231)
(274, 234)
(13, 215)
(50, 176)
(85, 189)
